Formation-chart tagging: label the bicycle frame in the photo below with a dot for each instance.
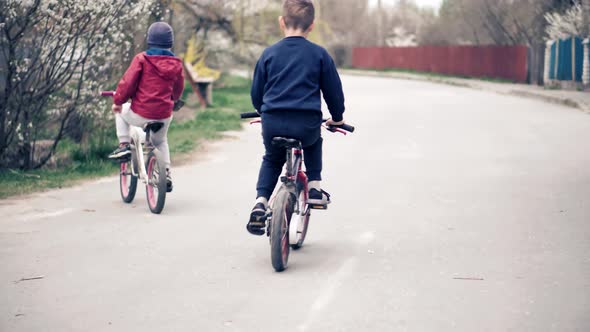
(139, 138)
(288, 212)
(153, 175)
(295, 173)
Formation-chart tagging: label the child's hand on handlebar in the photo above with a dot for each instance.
(331, 122)
(117, 108)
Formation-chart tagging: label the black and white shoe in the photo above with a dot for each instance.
(257, 221)
(122, 152)
(318, 199)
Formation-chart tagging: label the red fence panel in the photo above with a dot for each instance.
(506, 62)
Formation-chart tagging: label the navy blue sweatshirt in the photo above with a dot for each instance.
(290, 74)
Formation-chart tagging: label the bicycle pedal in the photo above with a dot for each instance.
(318, 207)
(255, 230)
(257, 224)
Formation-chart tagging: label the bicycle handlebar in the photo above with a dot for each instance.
(343, 126)
(249, 115)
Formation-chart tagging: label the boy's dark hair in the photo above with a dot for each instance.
(298, 14)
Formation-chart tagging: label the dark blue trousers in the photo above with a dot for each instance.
(304, 126)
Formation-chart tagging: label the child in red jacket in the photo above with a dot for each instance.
(153, 81)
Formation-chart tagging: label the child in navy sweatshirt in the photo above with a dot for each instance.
(286, 92)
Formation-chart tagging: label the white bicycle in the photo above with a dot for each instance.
(146, 164)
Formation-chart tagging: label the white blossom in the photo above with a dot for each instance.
(570, 23)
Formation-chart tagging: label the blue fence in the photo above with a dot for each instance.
(562, 61)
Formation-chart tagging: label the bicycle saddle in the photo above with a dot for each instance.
(154, 126)
(286, 143)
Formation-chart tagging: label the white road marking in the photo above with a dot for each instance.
(336, 281)
(328, 292)
(366, 237)
(106, 180)
(44, 215)
(218, 158)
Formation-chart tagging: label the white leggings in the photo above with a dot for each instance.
(128, 118)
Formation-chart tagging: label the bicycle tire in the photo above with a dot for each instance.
(156, 186)
(127, 181)
(302, 217)
(279, 229)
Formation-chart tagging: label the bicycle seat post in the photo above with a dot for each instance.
(289, 151)
(288, 144)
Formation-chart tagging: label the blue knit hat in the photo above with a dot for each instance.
(160, 35)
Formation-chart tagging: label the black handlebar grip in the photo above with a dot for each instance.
(249, 115)
(347, 127)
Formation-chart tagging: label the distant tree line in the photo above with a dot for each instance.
(456, 22)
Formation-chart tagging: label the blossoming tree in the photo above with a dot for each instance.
(54, 56)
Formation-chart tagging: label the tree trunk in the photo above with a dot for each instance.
(3, 137)
(537, 64)
(379, 24)
(4, 106)
(586, 17)
(26, 149)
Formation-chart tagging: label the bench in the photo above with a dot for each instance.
(202, 86)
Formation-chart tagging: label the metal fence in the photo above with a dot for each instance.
(503, 62)
(566, 59)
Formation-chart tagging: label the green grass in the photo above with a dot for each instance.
(230, 97)
(14, 182)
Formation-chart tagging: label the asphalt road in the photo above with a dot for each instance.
(453, 210)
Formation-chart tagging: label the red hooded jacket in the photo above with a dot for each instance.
(152, 82)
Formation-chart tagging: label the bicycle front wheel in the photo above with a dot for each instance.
(156, 185)
(299, 221)
(282, 211)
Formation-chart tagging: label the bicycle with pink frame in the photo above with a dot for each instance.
(287, 218)
(146, 164)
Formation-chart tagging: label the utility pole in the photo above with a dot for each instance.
(242, 18)
(318, 19)
(586, 18)
(379, 24)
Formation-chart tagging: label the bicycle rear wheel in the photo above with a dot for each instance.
(282, 211)
(156, 186)
(300, 221)
(127, 181)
